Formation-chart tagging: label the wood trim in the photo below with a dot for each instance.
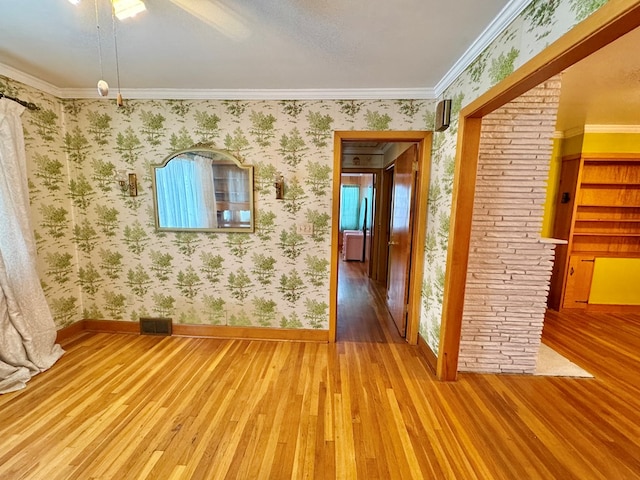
(258, 333)
(464, 184)
(374, 171)
(183, 330)
(112, 326)
(382, 135)
(335, 232)
(603, 307)
(69, 331)
(419, 136)
(573, 156)
(608, 23)
(420, 217)
(384, 201)
(427, 354)
(609, 156)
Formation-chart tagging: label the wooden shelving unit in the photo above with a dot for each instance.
(598, 213)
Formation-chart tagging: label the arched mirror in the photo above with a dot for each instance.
(203, 189)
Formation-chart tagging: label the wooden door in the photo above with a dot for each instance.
(401, 222)
(576, 292)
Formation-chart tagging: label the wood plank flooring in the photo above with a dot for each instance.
(140, 407)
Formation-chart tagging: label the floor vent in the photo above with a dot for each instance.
(155, 326)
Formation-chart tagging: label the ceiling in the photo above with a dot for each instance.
(187, 46)
(245, 44)
(604, 88)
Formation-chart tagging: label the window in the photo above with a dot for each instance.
(349, 207)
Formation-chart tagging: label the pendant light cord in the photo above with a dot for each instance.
(115, 43)
(99, 41)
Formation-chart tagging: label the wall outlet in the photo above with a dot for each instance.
(304, 228)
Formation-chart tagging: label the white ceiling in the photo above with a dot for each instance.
(246, 44)
(186, 47)
(604, 88)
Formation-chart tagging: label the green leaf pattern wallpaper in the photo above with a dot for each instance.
(99, 256)
(541, 23)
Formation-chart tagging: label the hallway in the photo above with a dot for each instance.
(362, 312)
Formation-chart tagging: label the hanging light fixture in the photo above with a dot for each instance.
(127, 8)
(121, 9)
(103, 86)
(115, 44)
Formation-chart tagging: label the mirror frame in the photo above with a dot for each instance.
(207, 150)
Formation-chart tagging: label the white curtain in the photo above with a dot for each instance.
(186, 193)
(27, 330)
(207, 183)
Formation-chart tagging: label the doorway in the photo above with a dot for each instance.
(375, 274)
(607, 24)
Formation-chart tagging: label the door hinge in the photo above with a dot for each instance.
(587, 259)
(414, 167)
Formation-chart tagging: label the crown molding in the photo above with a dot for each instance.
(612, 129)
(30, 80)
(573, 132)
(225, 94)
(260, 94)
(507, 15)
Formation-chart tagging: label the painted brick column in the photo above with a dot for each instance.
(509, 266)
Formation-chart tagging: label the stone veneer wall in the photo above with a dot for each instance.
(509, 267)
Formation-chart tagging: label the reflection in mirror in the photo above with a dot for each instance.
(203, 189)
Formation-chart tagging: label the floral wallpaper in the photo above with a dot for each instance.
(541, 23)
(100, 256)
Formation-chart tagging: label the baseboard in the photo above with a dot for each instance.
(428, 355)
(203, 331)
(603, 307)
(69, 331)
(254, 333)
(111, 326)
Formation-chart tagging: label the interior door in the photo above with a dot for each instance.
(400, 237)
(576, 293)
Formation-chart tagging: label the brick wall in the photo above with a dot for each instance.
(509, 267)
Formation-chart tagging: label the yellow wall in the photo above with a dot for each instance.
(616, 281)
(552, 189)
(611, 142)
(572, 145)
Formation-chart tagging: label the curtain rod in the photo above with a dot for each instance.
(29, 105)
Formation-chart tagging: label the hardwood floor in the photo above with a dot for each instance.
(140, 407)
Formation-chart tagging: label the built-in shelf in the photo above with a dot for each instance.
(607, 189)
(608, 185)
(607, 220)
(604, 234)
(585, 205)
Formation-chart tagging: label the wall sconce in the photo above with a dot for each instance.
(279, 184)
(128, 182)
